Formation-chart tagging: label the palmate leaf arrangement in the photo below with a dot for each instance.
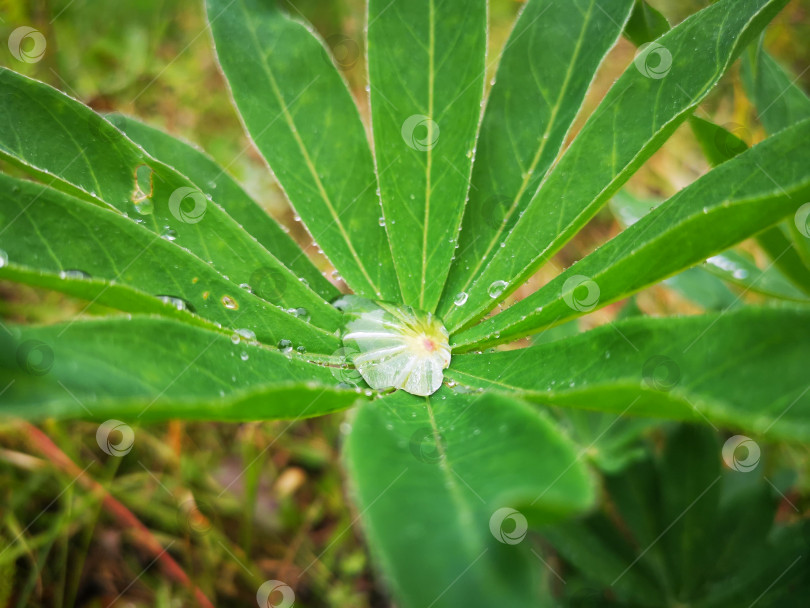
(453, 451)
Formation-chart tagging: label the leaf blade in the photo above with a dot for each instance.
(116, 249)
(465, 488)
(544, 72)
(577, 186)
(756, 188)
(73, 149)
(216, 182)
(440, 66)
(150, 369)
(317, 150)
(641, 367)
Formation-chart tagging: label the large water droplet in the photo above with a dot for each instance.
(395, 346)
(496, 288)
(461, 298)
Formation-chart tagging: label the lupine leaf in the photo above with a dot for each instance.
(645, 24)
(303, 120)
(626, 129)
(215, 181)
(71, 148)
(148, 369)
(545, 69)
(744, 369)
(778, 99)
(117, 250)
(734, 201)
(430, 477)
(425, 115)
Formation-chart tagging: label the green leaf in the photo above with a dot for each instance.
(544, 72)
(147, 369)
(786, 257)
(303, 120)
(213, 180)
(690, 491)
(645, 24)
(717, 143)
(425, 114)
(99, 291)
(451, 463)
(644, 106)
(610, 442)
(740, 270)
(703, 535)
(595, 547)
(696, 284)
(71, 148)
(734, 201)
(117, 250)
(745, 369)
(779, 101)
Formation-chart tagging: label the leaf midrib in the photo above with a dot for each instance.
(429, 164)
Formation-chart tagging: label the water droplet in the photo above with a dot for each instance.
(285, 346)
(461, 298)
(178, 303)
(3, 258)
(381, 221)
(496, 288)
(229, 303)
(244, 356)
(300, 313)
(69, 273)
(395, 346)
(168, 233)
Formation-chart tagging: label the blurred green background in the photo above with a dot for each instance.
(240, 504)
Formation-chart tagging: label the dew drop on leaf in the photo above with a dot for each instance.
(178, 303)
(496, 288)
(3, 258)
(461, 298)
(70, 273)
(300, 313)
(244, 356)
(395, 346)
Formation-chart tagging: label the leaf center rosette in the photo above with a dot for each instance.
(394, 346)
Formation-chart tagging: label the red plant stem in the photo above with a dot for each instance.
(122, 515)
